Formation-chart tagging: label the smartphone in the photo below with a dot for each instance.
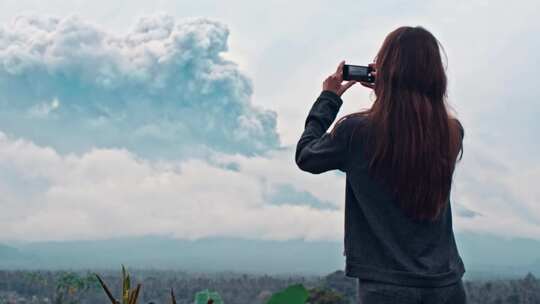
(358, 72)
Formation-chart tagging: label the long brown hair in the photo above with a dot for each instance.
(414, 141)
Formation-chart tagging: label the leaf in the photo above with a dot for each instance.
(134, 294)
(173, 299)
(294, 294)
(206, 296)
(107, 291)
(128, 283)
(125, 286)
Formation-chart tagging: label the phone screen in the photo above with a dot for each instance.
(358, 72)
(355, 70)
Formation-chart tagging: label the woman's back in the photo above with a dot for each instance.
(382, 242)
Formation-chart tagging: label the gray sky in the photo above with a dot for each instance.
(84, 160)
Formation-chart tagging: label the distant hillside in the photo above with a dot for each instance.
(203, 255)
(488, 256)
(9, 253)
(484, 256)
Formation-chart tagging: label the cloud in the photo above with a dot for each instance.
(162, 89)
(497, 195)
(464, 212)
(112, 192)
(44, 109)
(286, 194)
(107, 193)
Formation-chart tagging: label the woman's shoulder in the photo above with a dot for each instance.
(353, 119)
(350, 123)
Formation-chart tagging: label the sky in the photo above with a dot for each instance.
(180, 118)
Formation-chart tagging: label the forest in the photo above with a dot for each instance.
(62, 287)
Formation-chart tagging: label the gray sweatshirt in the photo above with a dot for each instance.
(381, 242)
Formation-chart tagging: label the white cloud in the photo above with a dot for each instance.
(163, 89)
(111, 192)
(501, 191)
(43, 109)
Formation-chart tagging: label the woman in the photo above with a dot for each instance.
(399, 157)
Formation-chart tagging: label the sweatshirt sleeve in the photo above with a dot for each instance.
(318, 151)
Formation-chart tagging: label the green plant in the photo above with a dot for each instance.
(207, 297)
(173, 298)
(319, 295)
(294, 294)
(129, 296)
(70, 287)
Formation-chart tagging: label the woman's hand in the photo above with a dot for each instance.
(333, 82)
(374, 74)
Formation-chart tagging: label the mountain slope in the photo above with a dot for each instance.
(484, 256)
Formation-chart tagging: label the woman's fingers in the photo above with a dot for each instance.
(374, 71)
(346, 86)
(340, 67)
(349, 84)
(367, 84)
(339, 72)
